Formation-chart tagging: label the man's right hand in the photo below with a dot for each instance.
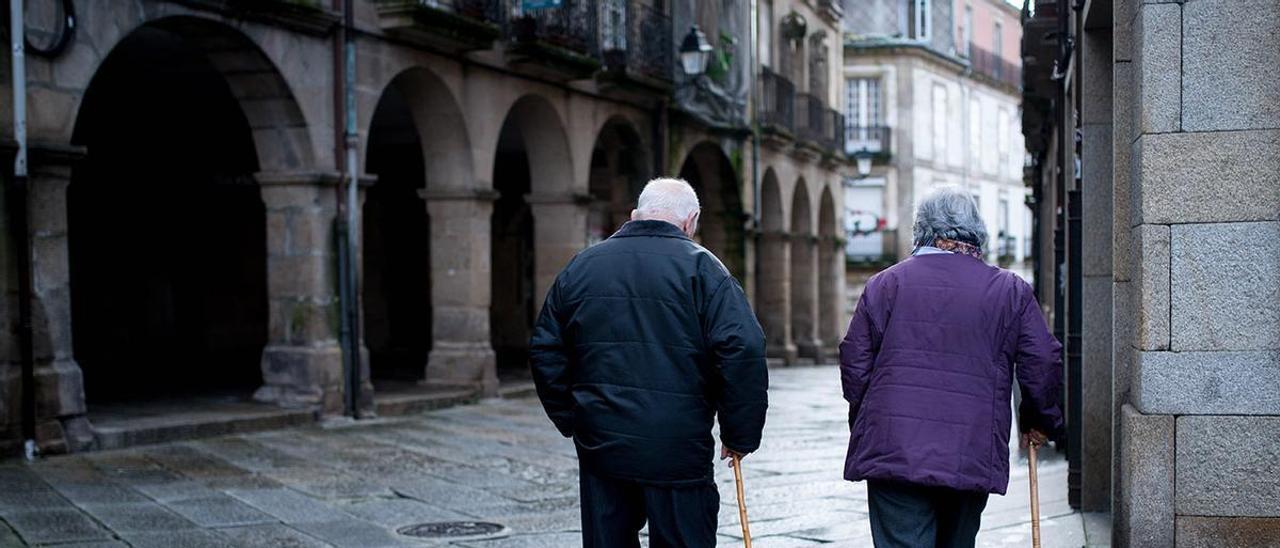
(725, 453)
(1033, 437)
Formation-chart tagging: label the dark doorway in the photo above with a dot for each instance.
(397, 253)
(619, 165)
(167, 229)
(513, 308)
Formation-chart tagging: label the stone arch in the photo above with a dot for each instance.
(707, 168)
(620, 166)
(804, 273)
(280, 132)
(539, 222)
(830, 272)
(773, 266)
(432, 105)
(168, 241)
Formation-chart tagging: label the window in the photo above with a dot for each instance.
(915, 15)
(939, 122)
(862, 114)
(766, 33)
(975, 133)
(613, 25)
(997, 51)
(1002, 137)
(966, 32)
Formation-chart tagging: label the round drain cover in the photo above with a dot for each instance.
(453, 529)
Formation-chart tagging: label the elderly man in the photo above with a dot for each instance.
(643, 340)
(928, 368)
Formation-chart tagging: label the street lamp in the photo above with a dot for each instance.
(863, 158)
(695, 51)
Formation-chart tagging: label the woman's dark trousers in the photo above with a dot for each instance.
(914, 516)
(614, 511)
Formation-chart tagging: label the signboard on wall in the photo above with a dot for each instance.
(534, 5)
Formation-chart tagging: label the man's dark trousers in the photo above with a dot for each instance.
(614, 511)
(914, 516)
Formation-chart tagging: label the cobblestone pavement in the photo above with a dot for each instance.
(355, 484)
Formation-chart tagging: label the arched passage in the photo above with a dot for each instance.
(619, 170)
(538, 224)
(804, 275)
(167, 228)
(773, 263)
(397, 246)
(711, 174)
(830, 274)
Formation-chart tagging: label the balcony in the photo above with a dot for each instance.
(995, 67)
(562, 41)
(455, 26)
(636, 41)
(777, 103)
(818, 124)
(872, 139)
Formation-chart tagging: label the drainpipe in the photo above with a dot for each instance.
(753, 55)
(21, 229)
(347, 218)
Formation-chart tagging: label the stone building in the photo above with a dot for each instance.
(188, 161)
(1152, 131)
(932, 94)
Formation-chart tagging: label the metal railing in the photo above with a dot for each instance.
(994, 66)
(810, 117)
(636, 37)
(778, 100)
(873, 139)
(572, 25)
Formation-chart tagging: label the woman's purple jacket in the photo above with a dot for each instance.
(928, 368)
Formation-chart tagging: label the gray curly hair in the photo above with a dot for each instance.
(948, 213)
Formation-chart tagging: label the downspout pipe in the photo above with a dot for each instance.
(21, 228)
(753, 53)
(347, 217)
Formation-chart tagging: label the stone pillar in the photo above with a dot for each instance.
(302, 362)
(559, 233)
(773, 294)
(830, 296)
(461, 352)
(60, 400)
(804, 295)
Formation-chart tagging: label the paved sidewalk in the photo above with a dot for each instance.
(355, 484)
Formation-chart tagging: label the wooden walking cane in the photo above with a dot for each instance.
(1035, 496)
(742, 503)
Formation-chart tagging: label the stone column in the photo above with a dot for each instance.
(773, 294)
(302, 362)
(804, 295)
(559, 233)
(461, 352)
(830, 296)
(60, 401)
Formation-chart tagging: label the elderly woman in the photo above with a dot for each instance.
(928, 367)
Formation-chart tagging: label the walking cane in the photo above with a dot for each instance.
(742, 503)
(1035, 496)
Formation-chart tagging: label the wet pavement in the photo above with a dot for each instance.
(355, 484)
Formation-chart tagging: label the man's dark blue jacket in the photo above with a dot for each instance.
(642, 340)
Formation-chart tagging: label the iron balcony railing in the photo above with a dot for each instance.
(994, 66)
(572, 25)
(818, 123)
(778, 101)
(636, 37)
(872, 139)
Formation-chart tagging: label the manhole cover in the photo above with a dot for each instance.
(453, 529)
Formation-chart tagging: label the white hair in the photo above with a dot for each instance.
(949, 213)
(668, 199)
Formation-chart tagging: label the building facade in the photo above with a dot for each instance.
(1151, 129)
(189, 161)
(931, 93)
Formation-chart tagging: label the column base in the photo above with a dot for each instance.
(785, 353)
(302, 376)
(808, 349)
(463, 364)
